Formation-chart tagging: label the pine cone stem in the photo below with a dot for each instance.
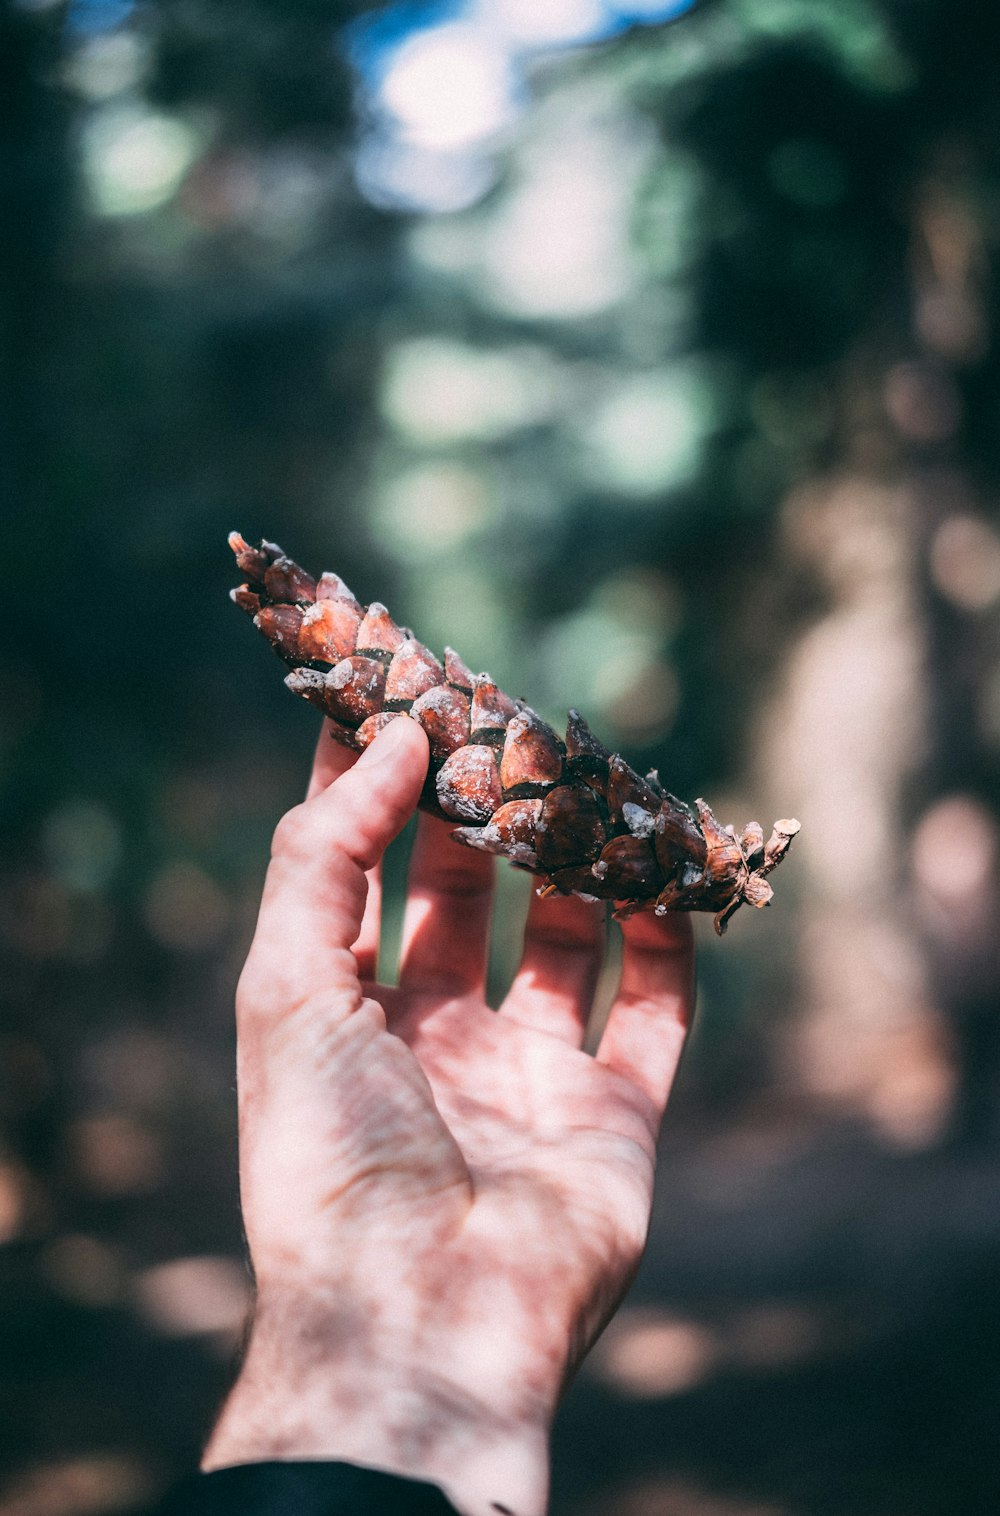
(565, 809)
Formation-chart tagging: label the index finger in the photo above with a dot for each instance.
(330, 760)
(649, 1020)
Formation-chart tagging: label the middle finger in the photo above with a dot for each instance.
(446, 925)
(553, 989)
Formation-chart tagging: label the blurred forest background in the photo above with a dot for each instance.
(647, 353)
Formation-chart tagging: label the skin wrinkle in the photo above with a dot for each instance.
(565, 1024)
(344, 998)
(364, 1176)
(470, 1111)
(296, 868)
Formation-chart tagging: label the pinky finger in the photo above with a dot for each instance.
(648, 1022)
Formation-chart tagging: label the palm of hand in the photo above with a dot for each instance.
(521, 1104)
(512, 1172)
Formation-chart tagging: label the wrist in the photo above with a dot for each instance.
(334, 1397)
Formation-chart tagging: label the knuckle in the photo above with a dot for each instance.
(634, 1234)
(249, 998)
(292, 834)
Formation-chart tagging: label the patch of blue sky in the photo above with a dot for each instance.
(372, 40)
(91, 18)
(649, 12)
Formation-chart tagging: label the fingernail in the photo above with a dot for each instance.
(383, 748)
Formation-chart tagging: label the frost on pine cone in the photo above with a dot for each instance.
(566, 809)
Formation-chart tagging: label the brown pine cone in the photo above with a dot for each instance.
(565, 809)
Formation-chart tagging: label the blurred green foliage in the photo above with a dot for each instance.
(556, 429)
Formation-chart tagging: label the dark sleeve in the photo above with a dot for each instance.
(303, 1489)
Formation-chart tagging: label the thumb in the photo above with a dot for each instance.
(315, 890)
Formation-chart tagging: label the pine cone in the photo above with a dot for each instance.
(567, 810)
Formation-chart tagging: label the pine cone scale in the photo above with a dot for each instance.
(443, 712)
(468, 784)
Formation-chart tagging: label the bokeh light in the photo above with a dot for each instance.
(191, 1297)
(646, 435)
(432, 508)
(559, 246)
(185, 908)
(438, 392)
(448, 88)
(647, 1354)
(556, 23)
(95, 1485)
(135, 159)
(965, 562)
(107, 65)
(84, 845)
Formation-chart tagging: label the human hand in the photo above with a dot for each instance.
(444, 1203)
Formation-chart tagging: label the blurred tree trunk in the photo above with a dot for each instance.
(879, 723)
(955, 852)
